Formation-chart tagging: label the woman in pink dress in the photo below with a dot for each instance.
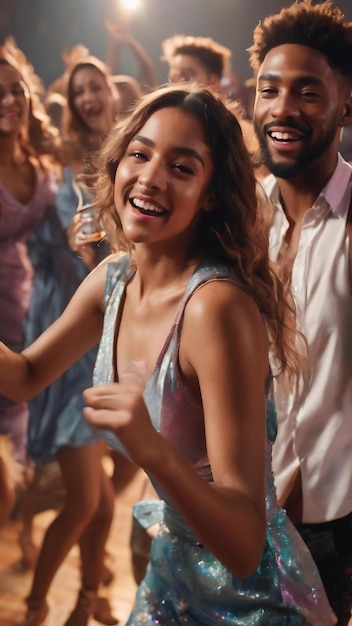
(27, 191)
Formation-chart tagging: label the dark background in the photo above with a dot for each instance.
(44, 28)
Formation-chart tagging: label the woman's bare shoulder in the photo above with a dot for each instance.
(218, 298)
(225, 314)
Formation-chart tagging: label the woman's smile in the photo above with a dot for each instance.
(162, 181)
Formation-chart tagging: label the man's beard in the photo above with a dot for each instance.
(305, 159)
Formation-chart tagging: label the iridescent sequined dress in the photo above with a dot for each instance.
(184, 583)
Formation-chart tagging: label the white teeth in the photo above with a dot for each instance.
(146, 206)
(282, 136)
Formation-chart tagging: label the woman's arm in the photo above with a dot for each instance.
(77, 330)
(224, 350)
(224, 356)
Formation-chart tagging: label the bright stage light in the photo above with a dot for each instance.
(129, 5)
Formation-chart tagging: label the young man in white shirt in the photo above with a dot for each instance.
(302, 59)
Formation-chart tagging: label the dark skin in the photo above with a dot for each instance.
(301, 95)
(301, 105)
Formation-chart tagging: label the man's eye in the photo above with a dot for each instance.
(310, 94)
(267, 91)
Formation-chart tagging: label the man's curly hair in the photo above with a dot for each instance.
(213, 56)
(319, 26)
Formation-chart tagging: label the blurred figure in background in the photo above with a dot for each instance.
(198, 59)
(28, 185)
(204, 61)
(70, 57)
(56, 428)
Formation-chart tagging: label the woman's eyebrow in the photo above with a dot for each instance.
(177, 149)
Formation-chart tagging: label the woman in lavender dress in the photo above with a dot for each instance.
(27, 192)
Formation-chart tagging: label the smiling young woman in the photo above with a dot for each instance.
(187, 314)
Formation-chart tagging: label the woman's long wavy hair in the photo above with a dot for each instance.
(38, 137)
(234, 232)
(76, 132)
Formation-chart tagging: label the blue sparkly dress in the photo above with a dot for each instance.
(56, 418)
(185, 584)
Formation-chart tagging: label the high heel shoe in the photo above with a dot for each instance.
(36, 613)
(84, 609)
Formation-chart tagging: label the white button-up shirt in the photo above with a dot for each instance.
(315, 423)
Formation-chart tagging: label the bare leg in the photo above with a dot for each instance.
(28, 548)
(8, 477)
(92, 547)
(93, 539)
(81, 473)
(124, 471)
(43, 491)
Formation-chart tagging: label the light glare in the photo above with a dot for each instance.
(129, 5)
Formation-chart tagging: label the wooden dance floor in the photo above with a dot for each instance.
(15, 583)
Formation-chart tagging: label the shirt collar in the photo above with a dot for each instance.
(334, 192)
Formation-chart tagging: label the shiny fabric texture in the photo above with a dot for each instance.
(56, 414)
(185, 583)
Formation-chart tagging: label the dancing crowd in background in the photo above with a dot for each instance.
(175, 297)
